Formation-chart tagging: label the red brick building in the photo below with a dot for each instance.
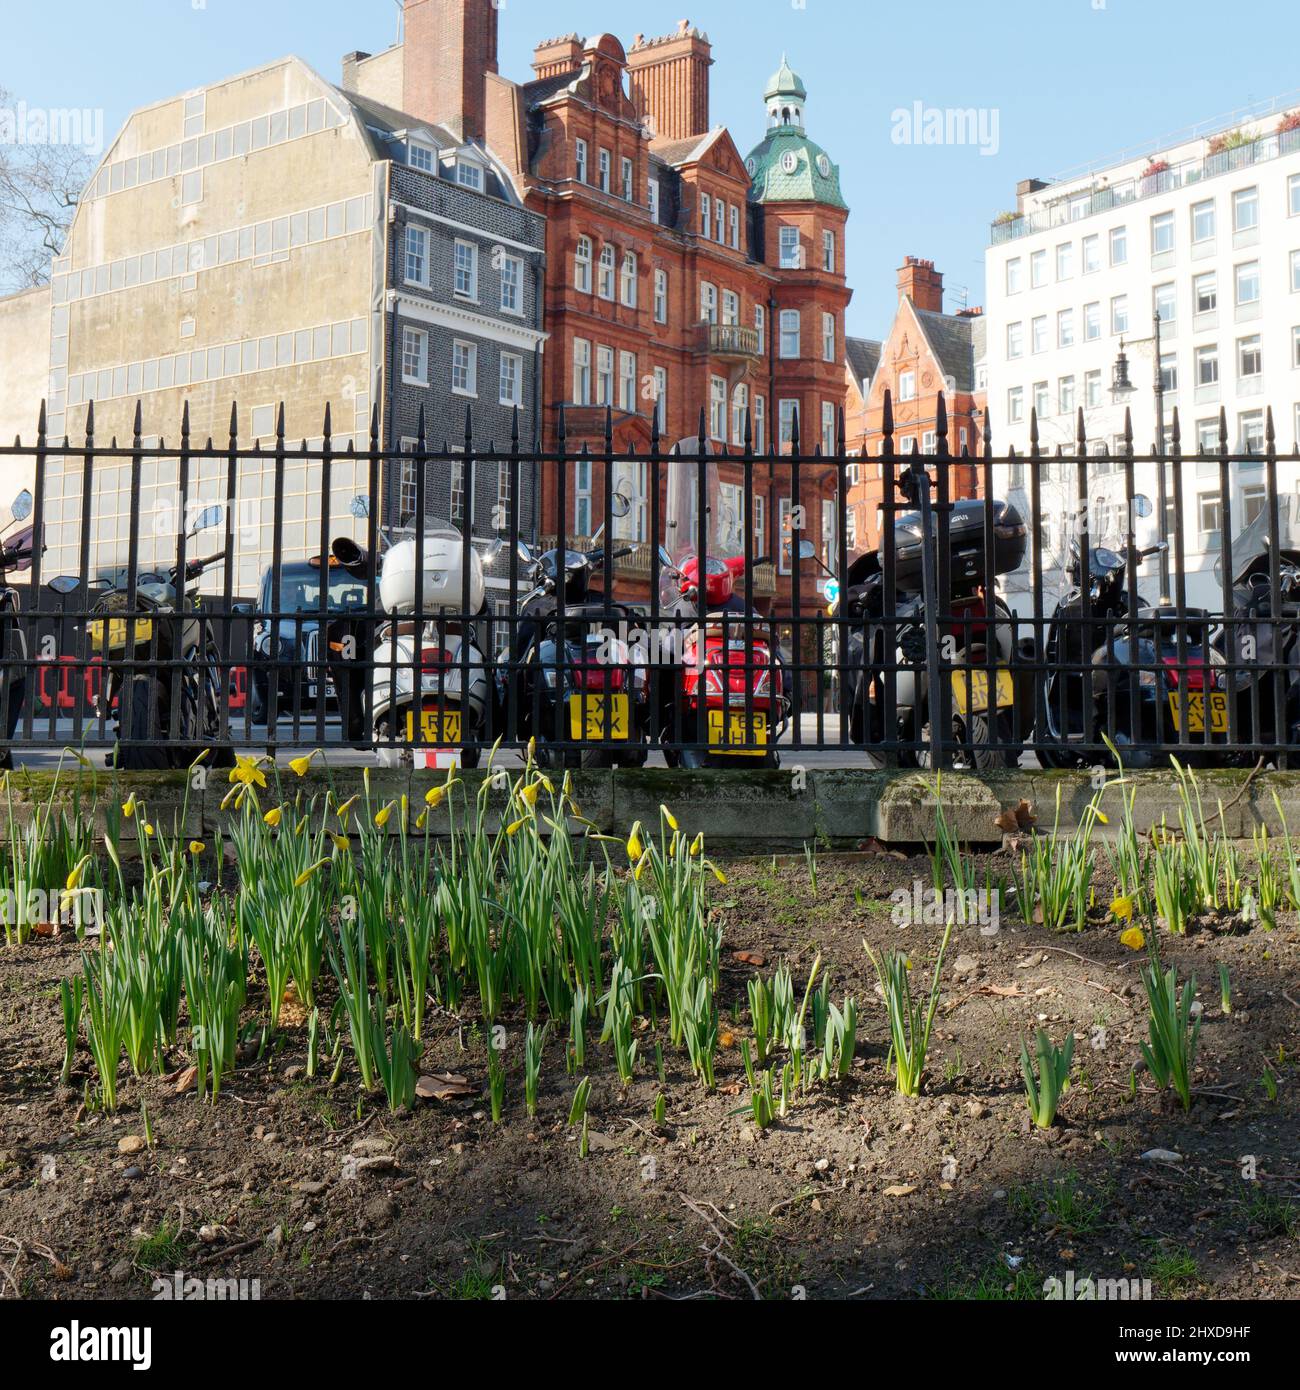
(681, 275)
(926, 353)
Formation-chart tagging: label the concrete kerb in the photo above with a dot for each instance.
(739, 811)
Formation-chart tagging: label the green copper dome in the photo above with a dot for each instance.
(788, 167)
(785, 82)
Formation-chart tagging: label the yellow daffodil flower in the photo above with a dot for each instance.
(382, 817)
(1133, 938)
(197, 846)
(434, 796)
(697, 845)
(513, 830)
(75, 877)
(273, 816)
(247, 773)
(128, 806)
(342, 812)
(1122, 908)
(301, 765)
(669, 817)
(635, 849)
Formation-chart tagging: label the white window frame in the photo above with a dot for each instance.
(582, 371)
(416, 249)
(466, 272)
(581, 167)
(627, 382)
(515, 380)
(582, 259)
(470, 363)
(791, 335)
(419, 339)
(661, 296)
(627, 278)
(791, 248)
(512, 273)
(606, 273)
(829, 337)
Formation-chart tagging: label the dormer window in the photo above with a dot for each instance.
(421, 157)
(469, 175)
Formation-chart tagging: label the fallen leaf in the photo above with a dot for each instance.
(45, 929)
(1025, 816)
(443, 1086)
(726, 1040)
(875, 846)
(749, 957)
(1006, 821)
(1002, 991)
(900, 1189)
(186, 1080)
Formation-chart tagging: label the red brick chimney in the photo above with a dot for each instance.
(449, 47)
(920, 282)
(558, 57)
(668, 80)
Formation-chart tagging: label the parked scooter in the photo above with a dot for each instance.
(983, 736)
(576, 682)
(175, 649)
(15, 554)
(1259, 638)
(727, 702)
(450, 694)
(1103, 644)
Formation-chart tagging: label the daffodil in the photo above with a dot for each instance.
(384, 815)
(434, 796)
(301, 765)
(513, 830)
(697, 845)
(128, 806)
(201, 758)
(421, 820)
(1133, 938)
(149, 830)
(635, 849)
(342, 812)
(78, 871)
(1122, 908)
(274, 816)
(310, 873)
(640, 867)
(247, 772)
(669, 817)
(528, 794)
(342, 843)
(197, 846)
(717, 872)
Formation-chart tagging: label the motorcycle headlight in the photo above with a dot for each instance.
(550, 677)
(1147, 680)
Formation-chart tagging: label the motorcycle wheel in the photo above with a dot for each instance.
(144, 718)
(974, 752)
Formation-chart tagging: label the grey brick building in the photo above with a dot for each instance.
(463, 309)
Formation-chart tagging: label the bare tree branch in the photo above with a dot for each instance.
(40, 185)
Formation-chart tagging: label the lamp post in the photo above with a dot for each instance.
(1121, 390)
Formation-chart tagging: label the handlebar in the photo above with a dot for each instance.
(196, 567)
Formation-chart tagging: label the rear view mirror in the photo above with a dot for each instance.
(620, 505)
(807, 550)
(65, 584)
(360, 506)
(207, 519)
(1142, 504)
(22, 506)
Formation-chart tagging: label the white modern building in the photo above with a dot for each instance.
(1205, 234)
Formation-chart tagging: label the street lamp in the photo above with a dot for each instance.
(1121, 391)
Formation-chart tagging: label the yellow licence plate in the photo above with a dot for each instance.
(978, 692)
(594, 718)
(115, 629)
(1196, 711)
(437, 729)
(729, 729)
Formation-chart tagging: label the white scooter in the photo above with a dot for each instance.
(447, 709)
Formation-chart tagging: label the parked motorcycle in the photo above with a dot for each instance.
(572, 678)
(1261, 639)
(175, 650)
(15, 554)
(429, 681)
(1109, 648)
(983, 728)
(727, 702)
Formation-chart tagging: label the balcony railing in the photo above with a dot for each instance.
(1077, 207)
(730, 340)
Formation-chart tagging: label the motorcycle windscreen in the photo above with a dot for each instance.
(722, 531)
(1251, 542)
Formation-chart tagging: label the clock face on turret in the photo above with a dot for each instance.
(752, 165)
(789, 161)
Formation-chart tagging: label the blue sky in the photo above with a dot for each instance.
(1070, 81)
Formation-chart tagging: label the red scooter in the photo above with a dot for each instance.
(726, 704)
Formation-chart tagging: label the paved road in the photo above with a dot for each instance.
(289, 747)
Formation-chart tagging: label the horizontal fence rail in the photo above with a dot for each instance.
(713, 604)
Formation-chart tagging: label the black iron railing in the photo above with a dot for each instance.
(992, 609)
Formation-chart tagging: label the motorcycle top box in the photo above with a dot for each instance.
(444, 556)
(965, 543)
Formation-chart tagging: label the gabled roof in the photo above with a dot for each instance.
(949, 337)
(863, 357)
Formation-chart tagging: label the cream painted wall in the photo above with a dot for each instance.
(24, 367)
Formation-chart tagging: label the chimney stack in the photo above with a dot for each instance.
(557, 57)
(920, 282)
(668, 79)
(449, 47)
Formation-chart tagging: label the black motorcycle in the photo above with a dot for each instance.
(575, 681)
(1261, 639)
(164, 674)
(878, 675)
(1136, 678)
(15, 554)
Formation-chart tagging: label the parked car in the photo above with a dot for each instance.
(287, 638)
